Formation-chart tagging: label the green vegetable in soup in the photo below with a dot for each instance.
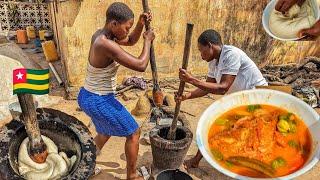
(293, 144)
(283, 117)
(287, 124)
(278, 162)
(252, 164)
(283, 126)
(252, 108)
(229, 164)
(290, 116)
(221, 122)
(217, 155)
(293, 126)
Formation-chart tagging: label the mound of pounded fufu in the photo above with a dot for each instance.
(288, 25)
(56, 165)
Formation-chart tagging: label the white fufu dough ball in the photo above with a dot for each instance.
(288, 25)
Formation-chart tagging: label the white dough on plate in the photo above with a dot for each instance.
(288, 25)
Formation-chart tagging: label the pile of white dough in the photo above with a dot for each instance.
(288, 25)
(56, 165)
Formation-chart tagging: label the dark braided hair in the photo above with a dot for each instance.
(120, 12)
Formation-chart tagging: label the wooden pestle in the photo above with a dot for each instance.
(37, 149)
(156, 93)
(186, 53)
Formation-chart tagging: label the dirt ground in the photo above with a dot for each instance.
(112, 158)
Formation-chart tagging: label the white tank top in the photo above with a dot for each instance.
(101, 81)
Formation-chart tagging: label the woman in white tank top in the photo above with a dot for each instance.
(97, 98)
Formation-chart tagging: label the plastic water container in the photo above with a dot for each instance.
(41, 35)
(37, 42)
(50, 51)
(31, 32)
(48, 35)
(22, 37)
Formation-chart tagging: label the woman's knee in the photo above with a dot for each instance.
(135, 135)
(102, 137)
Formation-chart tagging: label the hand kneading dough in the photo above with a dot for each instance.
(56, 165)
(297, 18)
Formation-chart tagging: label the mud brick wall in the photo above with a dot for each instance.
(238, 21)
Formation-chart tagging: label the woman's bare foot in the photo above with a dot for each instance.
(191, 163)
(97, 170)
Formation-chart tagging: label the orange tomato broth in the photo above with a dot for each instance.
(294, 158)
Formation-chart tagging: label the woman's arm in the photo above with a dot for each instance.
(115, 52)
(313, 32)
(134, 36)
(196, 93)
(199, 92)
(216, 88)
(284, 5)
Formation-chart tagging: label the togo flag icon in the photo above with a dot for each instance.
(30, 81)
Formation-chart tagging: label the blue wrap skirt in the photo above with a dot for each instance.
(108, 115)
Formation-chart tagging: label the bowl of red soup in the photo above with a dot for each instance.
(260, 134)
